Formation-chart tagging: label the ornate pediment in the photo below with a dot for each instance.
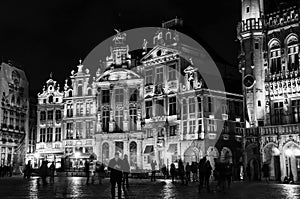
(161, 54)
(117, 75)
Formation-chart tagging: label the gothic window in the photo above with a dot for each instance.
(105, 120)
(57, 134)
(148, 105)
(69, 130)
(43, 135)
(159, 107)
(296, 111)
(119, 120)
(172, 72)
(293, 53)
(275, 58)
(105, 96)
(133, 118)
(159, 74)
(119, 94)
(149, 78)
(172, 105)
(278, 113)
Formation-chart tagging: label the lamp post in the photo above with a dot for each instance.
(289, 153)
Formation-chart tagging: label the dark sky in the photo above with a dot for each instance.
(51, 36)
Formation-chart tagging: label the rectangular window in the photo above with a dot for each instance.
(275, 61)
(159, 107)
(173, 130)
(278, 112)
(199, 107)
(148, 105)
(184, 127)
(119, 94)
(50, 115)
(89, 107)
(211, 126)
(49, 134)
(57, 134)
(58, 114)
(89, 129)
(149, 78)
(149, 133)
(210, 104)
(172, 105)
(248, 9)
(172, 72)
(69, 130)
(191, 105)
(133, 118)
(256, 45)
(133, 94)
(78, 130)
(43, 135)
(293, 57)
(184, 107)
(69, 110)
(119, 120)
(105, 120)
(192, 125)
(296, 111)
(159, 74)
(199, 125)
(105, 96)
(79, 109)
(11, 119)
(42, 116)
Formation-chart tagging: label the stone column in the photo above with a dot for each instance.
(139, 154)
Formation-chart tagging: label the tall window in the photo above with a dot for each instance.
(172, 105)
(78, 130)
(159, 75)
(296, 111)
(79, 90)
(119, 93)
(89, 129)
(105, 96)
(69, 130)
(69, 110)
(159, 107)
(133, 118)
(89, 107)
(211, 126)
(184, 127)
(191, 105)
(210, 104)
(11, 119)
(149, 78)
(133, 94)
(43, 135)
(275, 61)
(79, 109)
(148, 105)
(184, 108)
(58, 114)
(172, 130)
(293, 57)
(192, 124)
(199, 106)
(278, 112)
(119, 120)
(42, 115)
(149, 133)
(172, 72)
(5, 117)
(49, 134)
(57, 134)
(50, 115)
(105, 120)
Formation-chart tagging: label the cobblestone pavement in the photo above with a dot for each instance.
(75, 187)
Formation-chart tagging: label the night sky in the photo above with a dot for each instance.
(51, 36)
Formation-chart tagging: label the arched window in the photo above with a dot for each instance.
(70, 93)
(90, 92)
(275, 57)
(79, 90)
(50, 99)
(293, 53)
(105, 153)
(133, 154)
(12, 100)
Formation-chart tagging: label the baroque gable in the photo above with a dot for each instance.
(159, 54)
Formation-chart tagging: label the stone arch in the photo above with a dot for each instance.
(269, 150)
(226, 155)
(212, 154)
(192, 154)
(291, 39)
(274, 43)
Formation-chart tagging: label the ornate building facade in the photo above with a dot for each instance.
(14, 115)
(269, 63)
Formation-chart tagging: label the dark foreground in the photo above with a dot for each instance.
(75, 187)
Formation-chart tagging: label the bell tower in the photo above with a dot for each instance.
(251, 60)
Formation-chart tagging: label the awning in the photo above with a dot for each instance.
(149, 149)
(172, 148)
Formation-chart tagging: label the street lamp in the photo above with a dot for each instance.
(289, 153)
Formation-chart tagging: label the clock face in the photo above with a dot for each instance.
(249, 81)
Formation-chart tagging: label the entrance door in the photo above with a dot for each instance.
(298, 167)
(277, 168)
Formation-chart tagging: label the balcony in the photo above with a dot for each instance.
(280, 129)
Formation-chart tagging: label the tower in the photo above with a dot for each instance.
(251, 60)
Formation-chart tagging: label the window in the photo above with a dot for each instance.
(172, 72)
(89, 129)
(159, 74)
(42, 116)
(119, 120)
(192, 125)
(133, 94)
(211, 126)
(259, 103)
(57, 134)
(149, 133)
(199, 106)
(184, 127)
(89, 107)
(105, 96)
(43, 135)
(50, 115)
(278, 113)
(49, 134)
(58, 114)
(210, 104)
(79, 109)
(50, 99)
(79, 90)
(184, 107)
(105, 120)
(148, 77)
(172, 105)
(199, 125)
(119, 93)
(78, 130)
(172, 130)
(293, 57)
(224, 108)
(275, 61)
(248, 9)
(160, 132)
(70, 93)
(256, 45)
(148, 105)
(69, 130)
(11, 119)
(296, 111)
(191, 105)
(69, 110)
(159, 107)
(133, 118)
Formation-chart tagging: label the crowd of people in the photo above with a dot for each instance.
(6, 170)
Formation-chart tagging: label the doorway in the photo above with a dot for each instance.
(277, 168)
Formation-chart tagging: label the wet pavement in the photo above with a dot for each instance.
(75, 187)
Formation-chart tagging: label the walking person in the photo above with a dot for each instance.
(207, 174)
(52, 172)
(188, 172)
(153, 164)
(201, 172)
(194, 170)
(266, 172)
(164, 170)
(172, 171)
(43, 171)
(87, 171)
(181, 171)
(126, 170)
(228, 174)
(101, 173)
(115, 167)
